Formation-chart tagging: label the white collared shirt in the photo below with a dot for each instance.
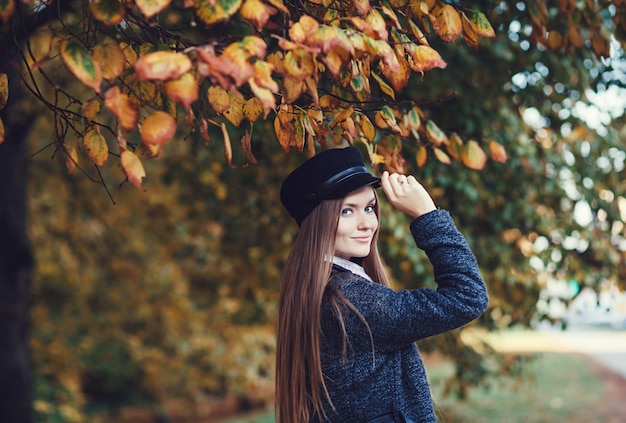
(352, 267)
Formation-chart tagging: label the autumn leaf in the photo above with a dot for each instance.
(256, 12)
(263, 86)
(110, 56)
(109, 12)
(72, 158)
(132, 168)
(122, 108)
(218, 99)
(298, 65)
(469, 31)
(378, 25)
(213, 11)
(158, 128)
(441, 156)
(497, 152)
(482, 25)
(183, 90)
(247, 148)
(421, 155)
(4, 90)
(456, 147)
(252, 109)
(413, 118)
(284, 129)
(162, 66)
(473, 156)
(1, 131)
(424, 58)
(301, 30)
(435, 135)
(150, 8)
(449, 26)
(363, 6)
(80, 63)
(96, 146)
(228, 150)
(7, 8)
(234, 114)
(367, 128)
(384, 86)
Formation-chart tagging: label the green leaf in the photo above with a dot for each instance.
(80, 63)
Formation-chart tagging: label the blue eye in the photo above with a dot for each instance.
(370, 208)
(346, 212)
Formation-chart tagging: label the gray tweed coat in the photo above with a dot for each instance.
(383, 372)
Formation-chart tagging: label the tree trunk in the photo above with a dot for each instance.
(16, 264)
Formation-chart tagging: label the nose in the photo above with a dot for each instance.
(366, 221)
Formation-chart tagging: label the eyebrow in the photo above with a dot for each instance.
(373, 200)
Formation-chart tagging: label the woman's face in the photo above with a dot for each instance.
(357, 224)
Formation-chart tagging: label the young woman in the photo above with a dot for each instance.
(345, 340)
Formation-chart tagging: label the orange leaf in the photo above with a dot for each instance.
(469, 31)
(122, 107)
(158, 128)
(150, 8)
(449, 26)
(72, 158)
(183, 90)
(91, 109)
(1, 131)
(302, 29)
(284, 129)
(162, 66)
(81, 64)
(482, 25)
(132, 168)
(421, 156)
(263, 86)
(474, 157)
(96, 147)
(497, 152)
(424, 58)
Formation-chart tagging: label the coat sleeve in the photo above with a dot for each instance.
(396, 319)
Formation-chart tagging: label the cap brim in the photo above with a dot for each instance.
(353, 183)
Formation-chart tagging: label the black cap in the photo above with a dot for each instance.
(330, 174)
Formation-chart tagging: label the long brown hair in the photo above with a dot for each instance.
(300, 386)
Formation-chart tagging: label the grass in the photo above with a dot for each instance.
(557, 388)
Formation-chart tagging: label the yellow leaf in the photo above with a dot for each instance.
(334, 61)
(91, 109)
(81, 64)
(1, 131)
(263, 86)
(132, 168)
(183, 90)
(298, 65)
(367, 127)
(228, 150)
(455, 148)
(252, 109)
(278, 4)
(162, 66)
(386, 88)
(302, 29)
(213, 11)
(418, 33)
(129, 54)
(109, 12)
(473, 156)
(150, 8)
(234, 114)
(449, 26)
(7, 8)
(292, 89)
(72, 158)
(256, 12)
(158, 128)
(96, 146)
(555, 40)
(497, 152)
(482, 25)
(4, 90)
(377, 22)
(441, 156)
(435, 135)
(219, 99)
(110, 56)
(363, 6)
(122, 107)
